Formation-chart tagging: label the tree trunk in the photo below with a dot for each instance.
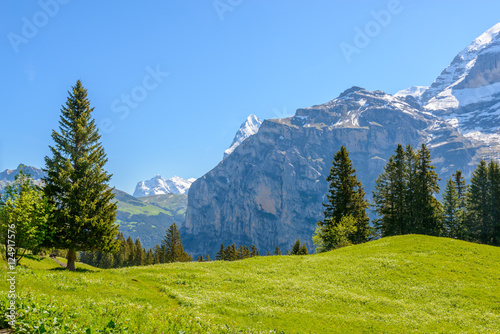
(71, 260)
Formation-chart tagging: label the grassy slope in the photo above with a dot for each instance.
(147, 218)
(393, 285)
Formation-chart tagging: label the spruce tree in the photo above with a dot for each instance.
(207, 258)
(140, 254)
(219, 256)
(478, 203)
(174, 250)
(303, 249)
(390, 195)
(491, 234)
(451, 215)
(346, 196)
(295, 248)
(77, 184)
(427, 207)
(131, 254)
(254, 251)
(277, 251)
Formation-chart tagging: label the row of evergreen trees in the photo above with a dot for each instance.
(132, 253)
(405, 202)
(405, 199)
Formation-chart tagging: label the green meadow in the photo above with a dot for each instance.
(403, 284)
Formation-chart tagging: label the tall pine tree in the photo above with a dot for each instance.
(427, 214)
(478, 203)
(174, 250)
(346, 196)
(77, 184)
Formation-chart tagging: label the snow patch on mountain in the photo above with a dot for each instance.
(159, 186)
(443, 92)
(415, 91)
(247, 129)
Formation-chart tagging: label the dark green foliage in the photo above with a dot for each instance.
(483, 204)
(346, 196)
(451, 214)
(391, 194)
(295, 248)
(303, 250)
(277, 251)
(77, 184)
(254, 251)
(427, 207)
(404, 194)
(174, 251)
(220, 254)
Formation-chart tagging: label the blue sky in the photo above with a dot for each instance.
(171, 81)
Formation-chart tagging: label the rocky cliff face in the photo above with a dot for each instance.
(269, 191)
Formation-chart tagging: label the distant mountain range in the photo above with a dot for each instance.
(160, 186)
(269, 190)
(8, 175)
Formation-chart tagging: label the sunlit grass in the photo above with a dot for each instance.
(393, 285)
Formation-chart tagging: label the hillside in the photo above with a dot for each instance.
(147, 218)
(405, 284)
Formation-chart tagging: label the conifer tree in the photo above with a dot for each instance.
(230, 253)
(491, 234)
(346, 196)
(303, 249)
(390, 195)
(427, 207)
(158, 257)
(207, 258)
(277, 251)
(411, 215)
(131, 251)
(295, 248)
(150, 257)
(478, 203)
(220, 254)
(174, 251)
(254, 251)
(120, 256)
(451, 216)
(77, 184)
(140, 255)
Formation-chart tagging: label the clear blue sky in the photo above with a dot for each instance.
(262, 57)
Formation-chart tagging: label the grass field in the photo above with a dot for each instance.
(406, 284)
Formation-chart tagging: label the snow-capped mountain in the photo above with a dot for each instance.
(158, 186)
(467, 93)
(415, 91)
(248, 128)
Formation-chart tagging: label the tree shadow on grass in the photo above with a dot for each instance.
(78, 270)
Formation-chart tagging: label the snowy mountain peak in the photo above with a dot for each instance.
(415, 91)
(159, 186)
(474, 67)
(247, 129)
